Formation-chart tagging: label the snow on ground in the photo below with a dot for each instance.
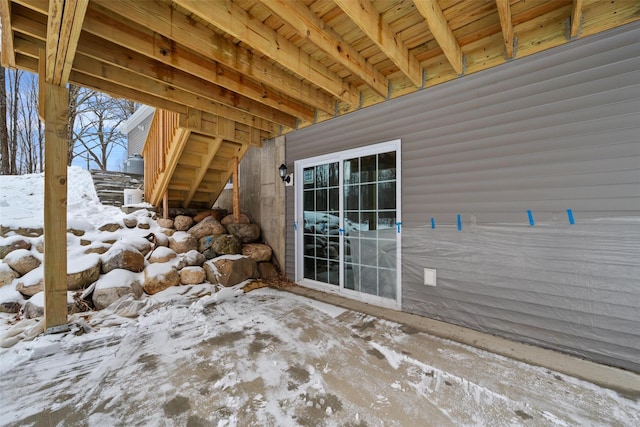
(268, 358)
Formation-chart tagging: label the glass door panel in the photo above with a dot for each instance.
(370, 239)
(321, 223)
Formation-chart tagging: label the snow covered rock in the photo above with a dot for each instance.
(31, 283)
(34, 307)
(10, 300)
(192, 275)
(257, 251)
(142, 244)
(229, 219)
(218, 214)
(193, 258)
(207, 227)
(122, 256)
(114, 285)
(112, 227)
(22, 261)
(182, 242)
(158, 277)
(11, 244)
(182, 222)
(7, 274)
(247, 233)
(162, 254)
(130, 221)
(229, 270)
(83, 271)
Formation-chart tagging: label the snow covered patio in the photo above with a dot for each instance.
(274, 358)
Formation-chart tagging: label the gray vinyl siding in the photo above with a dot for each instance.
(138, 136)
(555, 131)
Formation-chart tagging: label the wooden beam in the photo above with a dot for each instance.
(236, 192)
(123, 44)
(165, 205)
(506, 23)
(442, 32)
(367, 18)
(576, 18)
(63, 30)
(232, 19)
(164, 20)
(309, 26)
(8, 58)
(201, 170)
(56, 111)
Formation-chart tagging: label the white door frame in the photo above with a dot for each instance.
(299, 165)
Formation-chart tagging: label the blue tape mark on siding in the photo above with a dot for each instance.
(295, 225)
(531, 221)
(398, 224)
(433, 223)
(341, 231)
(570, 215)
(459, 222)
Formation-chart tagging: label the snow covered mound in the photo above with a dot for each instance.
(22, 200)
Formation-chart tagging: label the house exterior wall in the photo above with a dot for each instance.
(137, 136)
(555, 131)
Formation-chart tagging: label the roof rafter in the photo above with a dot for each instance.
(309, 26)
(367, 18)
(235, 21)
(506, 23)
(63, 31)
(442, 32)
(166, 21)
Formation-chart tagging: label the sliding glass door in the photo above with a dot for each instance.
(348, 223)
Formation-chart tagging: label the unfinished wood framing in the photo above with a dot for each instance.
(506, 23)
(236, 192)
(55, 110)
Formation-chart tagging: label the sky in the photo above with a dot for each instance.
(201, 355)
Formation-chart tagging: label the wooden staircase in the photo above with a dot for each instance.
(190, 157)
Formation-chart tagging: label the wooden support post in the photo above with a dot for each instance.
(165, 205)
(55, 111)
(236, 193)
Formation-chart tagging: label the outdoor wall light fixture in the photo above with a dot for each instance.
(283, 173)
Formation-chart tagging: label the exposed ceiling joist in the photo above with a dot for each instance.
(367, 18)
(181, 62)
(63, 31)
(8, 54)
(576, 18)
(506, 23)
(309, 26)
(442, 32)
(235, 21)
(165, 21)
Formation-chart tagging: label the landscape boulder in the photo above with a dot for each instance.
(111, 227)
(7, 274)
(257, 251)
(122, 256)
(192, 275)
(229, 270)
(193, 258)
(207, 227)
(31, 283)
(226, 244)
(114, 285)
(162, 254)
(10, 245)
(267, 271)
(165, 223)
(158, 277)
(218, 214)
(230, 219)
(182, 222)
(130, 221)
(247, 233)
(22, 261)
(83, 271)
(183, 242)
